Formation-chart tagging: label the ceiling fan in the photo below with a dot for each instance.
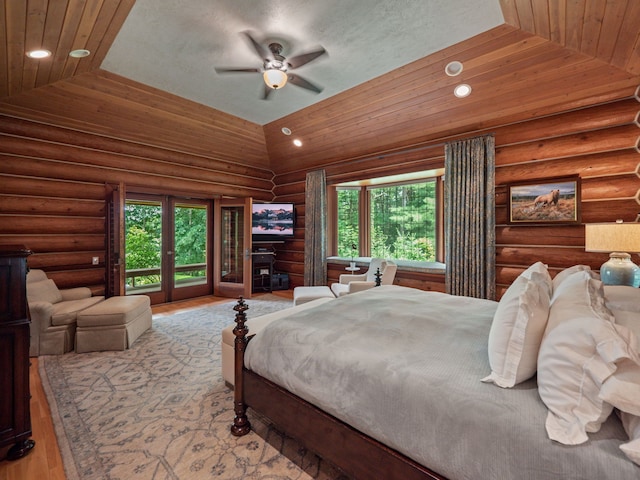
(276, 69)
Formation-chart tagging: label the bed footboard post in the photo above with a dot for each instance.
(378, 276)
(241, 425)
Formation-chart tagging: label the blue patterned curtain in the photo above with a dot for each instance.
(315, 229)
(469, 202)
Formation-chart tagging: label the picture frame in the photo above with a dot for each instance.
(544, 201)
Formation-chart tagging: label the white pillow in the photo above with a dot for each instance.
(628, 319)
(44, 291)
(566, 273)
(631, 425)
(622, 388)
(577, 295)
(543, 276)
(516, 331)
(622, 297)
(578, 353)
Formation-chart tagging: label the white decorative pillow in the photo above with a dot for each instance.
(44, 291)
(516, 331)
(578, 295)
(631, 425)
(628, 319)
(579, 351)
(622, 297)
(622, 388)
(544, 277)
(566, 273)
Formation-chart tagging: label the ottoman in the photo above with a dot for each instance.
(113, 324)
(306, 294)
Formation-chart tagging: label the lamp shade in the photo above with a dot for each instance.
(275, 78)
(612, 237)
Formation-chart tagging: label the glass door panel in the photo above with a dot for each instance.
(191, 274)
(143, 246)
(231, 244)
(233, 276)
(190, 244)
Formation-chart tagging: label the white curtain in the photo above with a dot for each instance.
(470, 217)
(315, 229)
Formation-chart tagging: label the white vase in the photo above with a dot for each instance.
(352, 265)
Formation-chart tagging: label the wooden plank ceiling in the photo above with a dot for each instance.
(604, 29)
(514, 76)
(551, 54)
(60, 26)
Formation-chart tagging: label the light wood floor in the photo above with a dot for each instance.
(44, 461)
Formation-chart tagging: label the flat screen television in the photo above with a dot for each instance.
(272, 222)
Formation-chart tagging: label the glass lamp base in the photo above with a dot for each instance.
(620, 270)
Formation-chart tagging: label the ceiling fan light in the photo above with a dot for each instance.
(275, 78)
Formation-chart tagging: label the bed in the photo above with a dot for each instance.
(396, 382)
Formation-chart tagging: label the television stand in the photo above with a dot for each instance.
(262, 260)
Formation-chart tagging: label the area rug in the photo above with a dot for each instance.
(161, 410)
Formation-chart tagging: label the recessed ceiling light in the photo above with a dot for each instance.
(453, 68)
(462, 90)
(39, 54)
(297, 143)
(286, 131)
(80, 53)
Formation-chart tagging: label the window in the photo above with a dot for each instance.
(401, 220)
(348, 221)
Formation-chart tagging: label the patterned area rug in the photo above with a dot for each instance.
(161, 410)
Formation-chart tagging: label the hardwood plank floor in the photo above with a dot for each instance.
(44, 462)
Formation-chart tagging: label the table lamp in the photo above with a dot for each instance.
(616, 238)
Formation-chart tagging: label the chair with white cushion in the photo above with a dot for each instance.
(350, 283)
(54, 313)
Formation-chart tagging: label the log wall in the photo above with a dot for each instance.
(599, 143)
(53, 187)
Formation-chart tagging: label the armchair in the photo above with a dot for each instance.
(349, 283)
(53, 313)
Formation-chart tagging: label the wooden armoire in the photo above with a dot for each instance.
(15, 413)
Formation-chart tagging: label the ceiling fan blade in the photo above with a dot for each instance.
(261, 50)
(301, 82)
(305, 58)
(237, 70)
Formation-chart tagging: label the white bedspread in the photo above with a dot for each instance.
(404, 366)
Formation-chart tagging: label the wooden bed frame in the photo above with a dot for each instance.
(356, 454)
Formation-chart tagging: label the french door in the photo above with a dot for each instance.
(232, 249)
(167, 247)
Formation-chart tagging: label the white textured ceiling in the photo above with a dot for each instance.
(175, 45)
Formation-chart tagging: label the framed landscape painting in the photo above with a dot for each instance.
(555, 200)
